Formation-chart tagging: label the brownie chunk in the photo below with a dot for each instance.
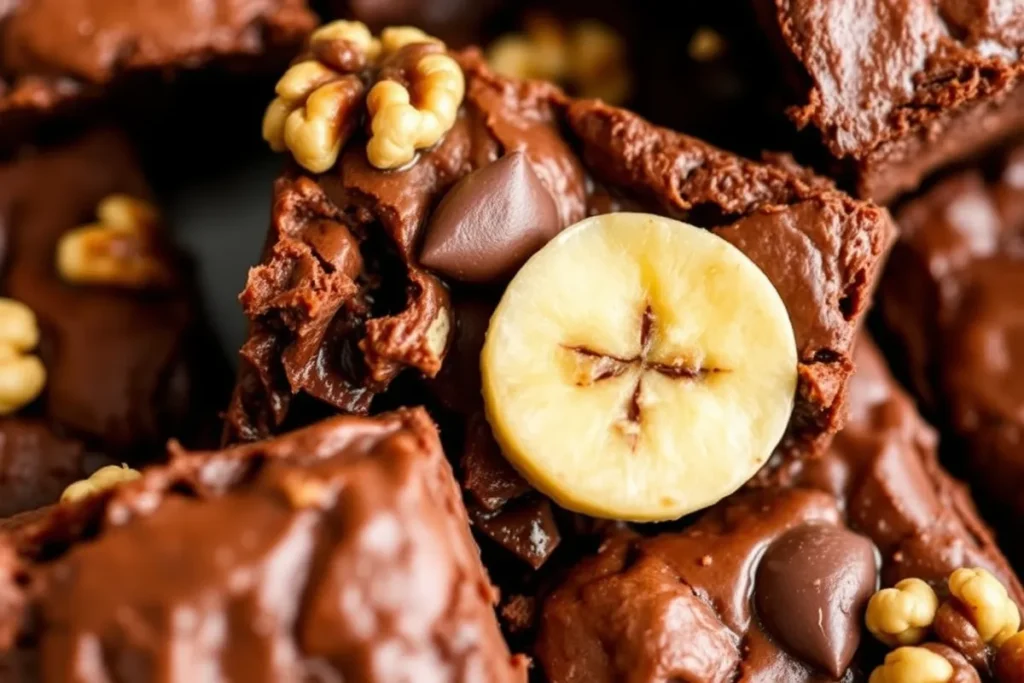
(896, 89)
(126, 368)
(798, 547)
(341, 550)
(341, 304)
(376, 287)
(884, 470)
(952, 302)
(54, 52)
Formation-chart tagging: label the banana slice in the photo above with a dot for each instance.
(639, 368)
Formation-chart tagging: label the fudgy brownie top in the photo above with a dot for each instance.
(772, 583)
(53, 50)
(341, 550)
(126, 366)
(342, 301)
(880, 70)
(952, 300)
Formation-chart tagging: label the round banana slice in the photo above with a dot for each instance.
(639, 368)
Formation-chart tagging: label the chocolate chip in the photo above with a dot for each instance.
(813, 585)
(491, 222)
(525, 527)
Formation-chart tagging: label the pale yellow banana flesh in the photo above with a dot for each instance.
(639, 368)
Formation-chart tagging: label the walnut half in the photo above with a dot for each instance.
(22, 375)
(121, 249)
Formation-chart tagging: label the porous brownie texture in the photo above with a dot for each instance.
(772, 583)
(338, 552)
(126, 368)
(951, 303)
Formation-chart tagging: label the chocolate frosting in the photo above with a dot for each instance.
(951, 301)
(884, 469)
(53, 51)
(338, 552)
(679, 605)
(898, 89)
(125, 369)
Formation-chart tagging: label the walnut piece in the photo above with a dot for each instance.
(902, 615)
(706, 45)
(913, 665)
(589, 57)
(320, 98)
(987, 604)
(119, 250)
(404, 120)
(1009, 665)
(102, 479)
(22, 375)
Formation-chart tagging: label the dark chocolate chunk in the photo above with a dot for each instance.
(812, 587)
(526, 528)
(491, 222)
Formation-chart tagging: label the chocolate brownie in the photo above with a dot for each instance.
(888, 90)
(126, 367)
(56, 52)
(922, 84)
(342, 301)
(360, 265)
(772, 584)
(457, 22)
(951, 302)
(338, 552)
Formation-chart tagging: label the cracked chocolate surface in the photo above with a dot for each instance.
(338, 552)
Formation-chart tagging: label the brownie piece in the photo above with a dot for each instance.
(126, 368)
(340, 304)
(799, 548)
(951, 302)
(356, 273)
(54, 53)
(884, 470)
(898, 89)
(887, 91)
(338, 552)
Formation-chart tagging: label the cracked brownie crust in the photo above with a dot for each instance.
(341, 550)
